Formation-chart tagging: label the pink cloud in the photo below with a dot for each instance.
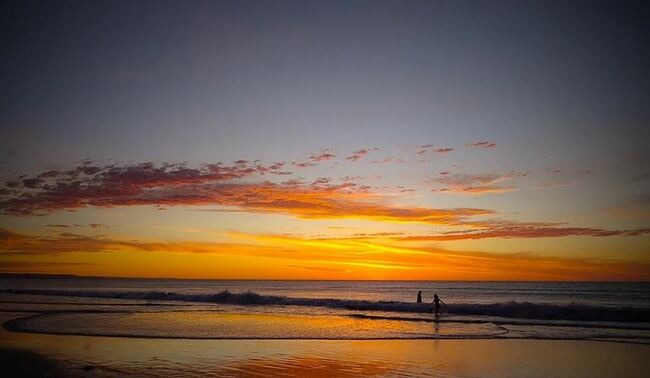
(322, 156)
(424, 148)
(218, 185)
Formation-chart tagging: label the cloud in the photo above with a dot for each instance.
(425, 262)
(443, 150)
(322, 156)
(359, 154)
(473, 184)
(482, 144)
(342, 255)
(217, 185)
(425, 148)
(526, 232)
(35, 266)
(19, 244)
(382, 161)
(563, 172)
(113, 185)
(314, 159)
(91, 225)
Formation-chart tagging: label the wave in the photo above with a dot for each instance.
(521, 310)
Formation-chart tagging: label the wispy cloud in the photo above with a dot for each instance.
(35, 266)
(21, 244)
(526, 232)
(359, 154)
(58, 225)
(447, 264)
(574, 172)
(482, 144)
(343, 255)
(426, 148)
(475, 184)
(388, 160)
(314, 159)
(443, 150)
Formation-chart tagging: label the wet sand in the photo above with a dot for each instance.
(93, 356)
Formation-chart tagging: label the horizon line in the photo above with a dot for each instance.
(63, 275)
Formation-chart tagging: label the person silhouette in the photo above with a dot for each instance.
(436, 304)
(420, 296)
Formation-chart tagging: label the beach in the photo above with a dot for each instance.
(91, 356)
(80, 326)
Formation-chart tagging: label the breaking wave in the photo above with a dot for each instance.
(521, 310)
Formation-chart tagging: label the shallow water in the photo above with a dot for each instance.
(222, 325)
(117, 357)
(326, 310)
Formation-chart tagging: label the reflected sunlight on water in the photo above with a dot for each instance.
(345, 358)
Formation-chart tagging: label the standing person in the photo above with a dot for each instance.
(436, 304)
(420, 296)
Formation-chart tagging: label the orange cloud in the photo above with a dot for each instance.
(337, 258)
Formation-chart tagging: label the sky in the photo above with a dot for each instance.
(414, 140)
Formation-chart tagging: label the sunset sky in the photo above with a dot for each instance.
(424, 140)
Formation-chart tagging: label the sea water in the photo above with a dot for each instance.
(346, 310)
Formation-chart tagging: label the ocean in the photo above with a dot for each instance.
(333, 310)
